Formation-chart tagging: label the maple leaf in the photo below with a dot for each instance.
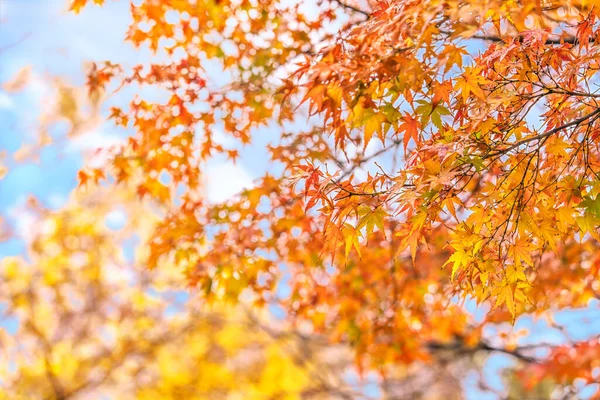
(505, 295)
(454, 56)
(77, 5)
(565, 217)
(499, 162)
(411, 127)
(371, 218)
(458, 259)
(83, 178)
(585, 30)
(469, 82)
(352, 238)
(522, 250)
(589, 223)
(374, 125)
(591, 205)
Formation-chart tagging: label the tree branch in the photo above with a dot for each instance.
(17, 42)
(551, 132)
(491, 38)
(459, 347)
(351, 8)
(494, 38)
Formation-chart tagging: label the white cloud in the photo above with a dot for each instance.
(37, 89)
(25, 222)
(225, 180)
(6, 102)
(92, 141)
(218, 137)
(23, 218)
(56, 200)
(360, 175)
(115, 219)
(117, 274)
(352, 150)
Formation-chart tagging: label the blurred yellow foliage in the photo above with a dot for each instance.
(92, 323)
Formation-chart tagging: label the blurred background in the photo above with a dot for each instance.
(83, 318)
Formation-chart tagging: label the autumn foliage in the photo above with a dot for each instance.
(92, 324)
(425, 154)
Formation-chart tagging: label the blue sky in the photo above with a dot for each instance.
(42, 34)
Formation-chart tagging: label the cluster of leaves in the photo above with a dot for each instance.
(82, 317)
(487, 116)
(90, 323)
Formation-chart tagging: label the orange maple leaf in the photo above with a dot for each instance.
(411, 127)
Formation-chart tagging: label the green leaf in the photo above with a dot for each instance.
(371, 219)
(591, 205)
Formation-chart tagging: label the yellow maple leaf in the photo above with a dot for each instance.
(522, 250)
(77, 5)
(351, 238)
(469, 83)
(374, 122)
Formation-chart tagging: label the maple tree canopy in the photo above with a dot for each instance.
(92, 325)
(427, 151)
